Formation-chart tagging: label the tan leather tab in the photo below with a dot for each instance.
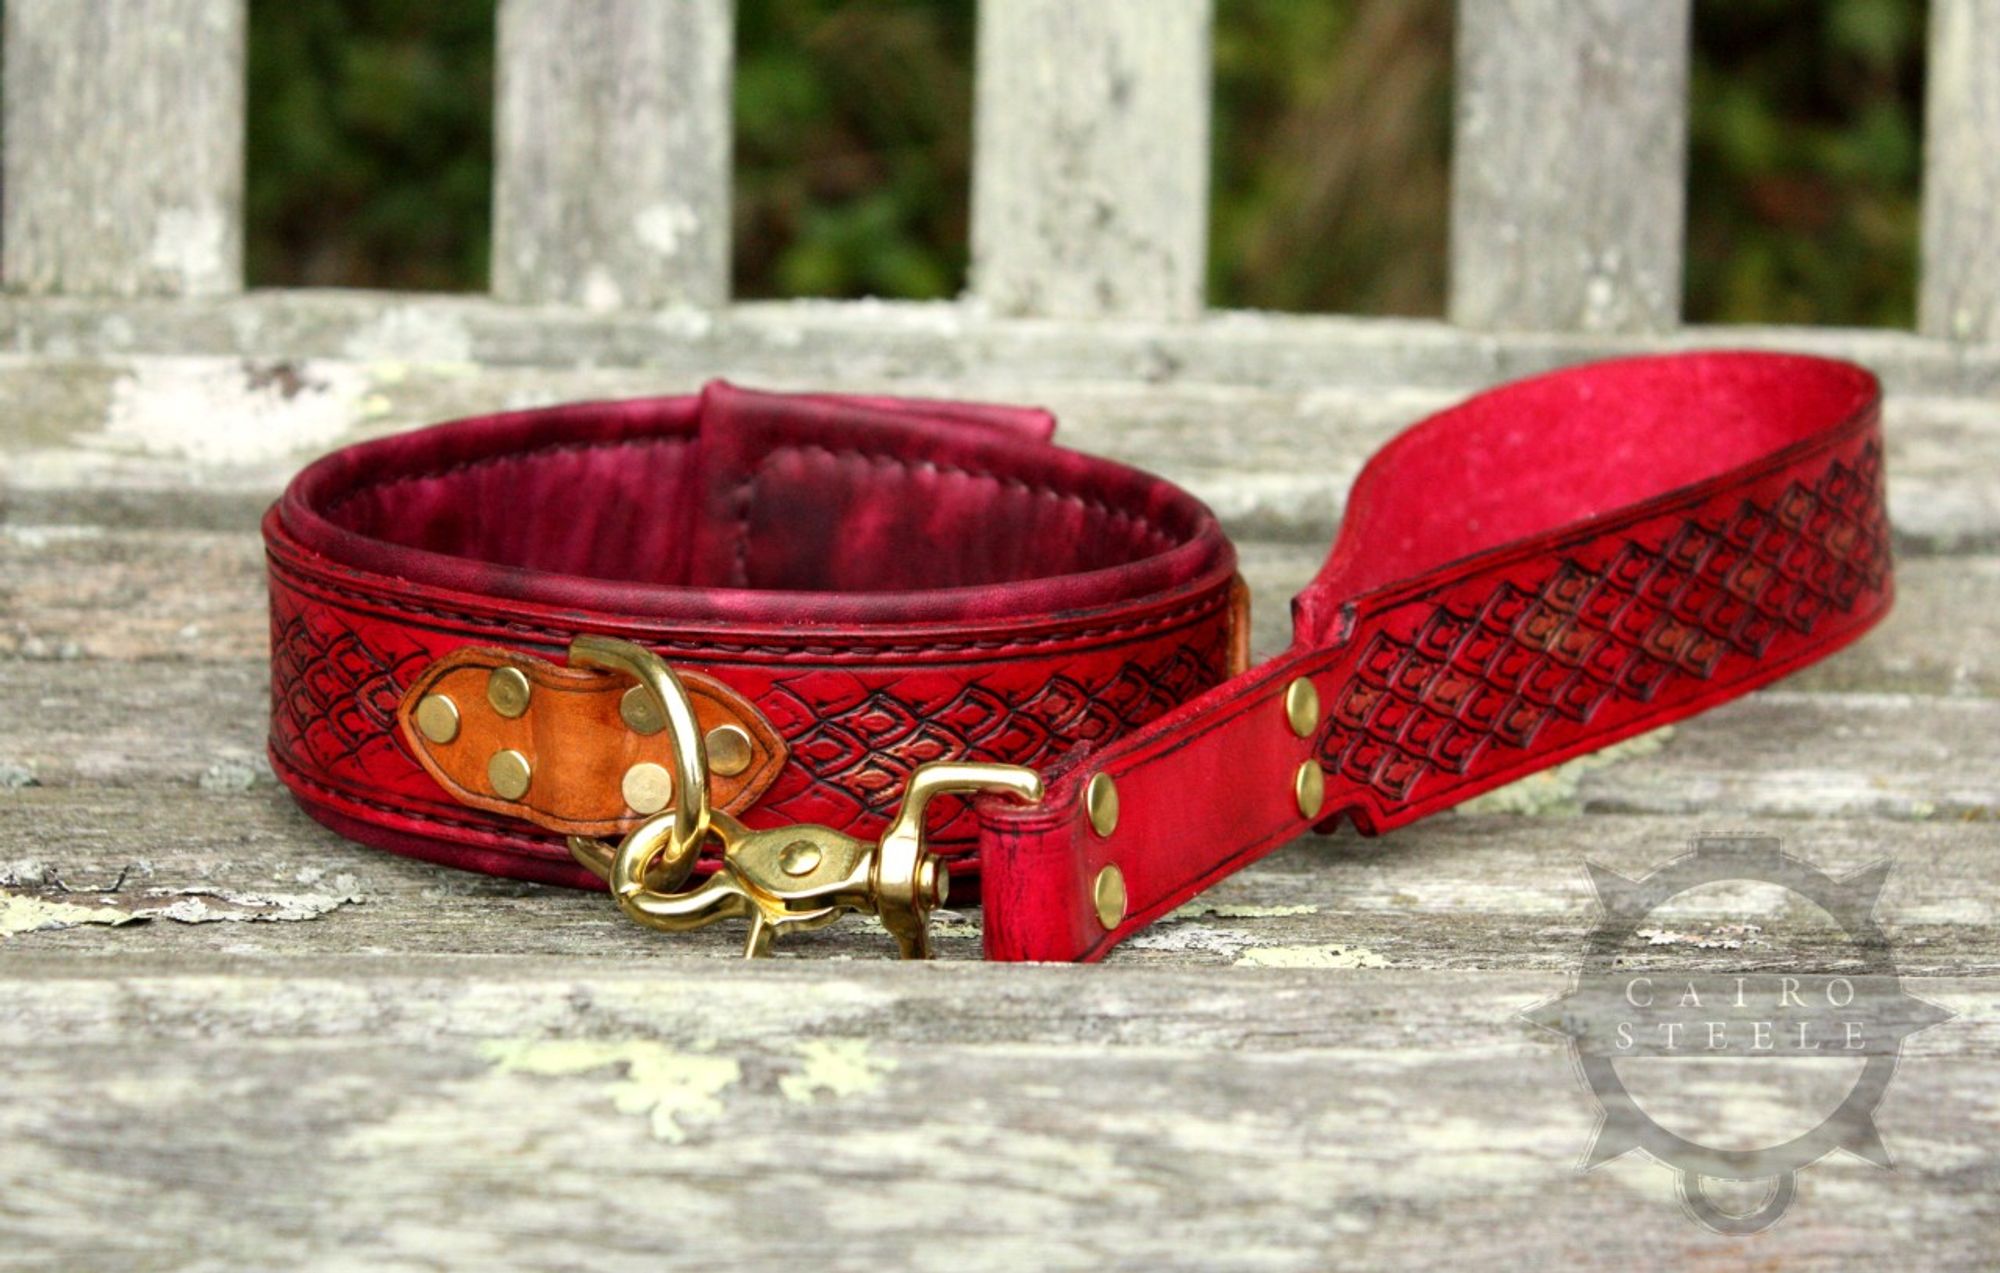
(572, 736)
(1239, 626)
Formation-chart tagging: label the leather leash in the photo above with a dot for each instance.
(752, 655)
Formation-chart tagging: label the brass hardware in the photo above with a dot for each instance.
(508, 690)
(1302, 707)
(659, 853)
(729, 747)
(1108, 894)
(509, 772)
(647, 787)
(437, 718)
(1309, 786)
(637, 710)
(728, 750)
(778, 878)
(1302, 713)
(799, 857)
(1100, 801)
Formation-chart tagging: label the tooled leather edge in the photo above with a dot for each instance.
(1239, 625)
(715, 703)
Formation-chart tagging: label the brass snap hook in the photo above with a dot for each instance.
(908, 880)
(796, 877)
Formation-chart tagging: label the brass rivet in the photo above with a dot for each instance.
(508, 771)
(1309, 785)
(799, 857)
(507, 689)
(437, 718)
(936, 881)
(647, 787)
(1100, 801)
(1109, 895)
(640, 711)
(1302, 707)
(728, 750)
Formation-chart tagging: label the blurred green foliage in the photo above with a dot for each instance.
(1803, 161)
(1331, 155)
(853, 147)
(371, 151)
(370, 143)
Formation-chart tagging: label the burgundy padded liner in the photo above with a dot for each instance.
(733, 506)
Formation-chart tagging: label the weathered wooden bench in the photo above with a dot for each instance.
(229, 1039)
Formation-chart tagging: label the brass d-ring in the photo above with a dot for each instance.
(663, 856)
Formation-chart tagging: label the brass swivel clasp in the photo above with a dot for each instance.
(778, 878)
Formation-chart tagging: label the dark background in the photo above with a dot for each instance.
(371, 151)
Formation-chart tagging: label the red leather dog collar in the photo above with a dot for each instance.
(826, 598)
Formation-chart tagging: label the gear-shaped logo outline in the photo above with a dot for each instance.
(1623, 1125)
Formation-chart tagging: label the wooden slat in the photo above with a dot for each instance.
(612, 129)
(124, 146)
(1568, 164)
(552, 1114)
(126, 441)
(838, 342)
(1090, 177)
(1960, 294)
(1458, 891)
(356, 1057)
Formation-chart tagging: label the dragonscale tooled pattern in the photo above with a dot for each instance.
(854, 735)
(856, 742)
(334, 695)
(1494, 668)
